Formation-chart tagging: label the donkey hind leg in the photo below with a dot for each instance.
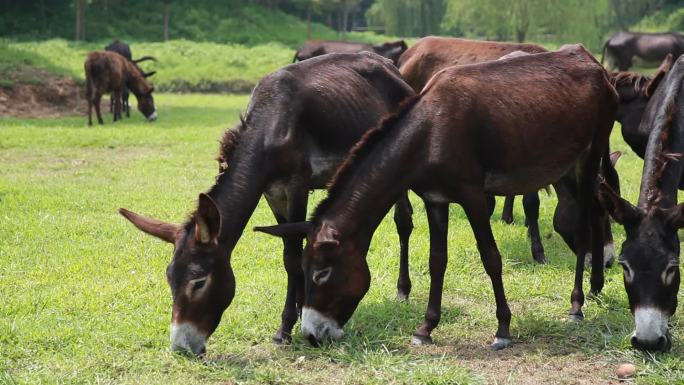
(290, 206)
(124, 98)
(507, 213)
(402, 218)
(90, 107)
(475, 206)
(588, 237)
(96, 101)
(116, 97)
(531, 207)
(438, 220)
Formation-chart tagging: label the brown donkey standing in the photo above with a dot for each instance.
(300, 123)
(501, 127)
(111, 72)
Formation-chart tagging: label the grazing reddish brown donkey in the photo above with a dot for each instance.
(502, 127)
(111, 72)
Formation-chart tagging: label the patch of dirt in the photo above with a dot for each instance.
(37, 93)
(523, 364)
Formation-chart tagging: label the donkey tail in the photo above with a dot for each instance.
(142, 59)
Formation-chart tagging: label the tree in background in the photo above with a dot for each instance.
(79, 7)
(167, 16)
(407, 17)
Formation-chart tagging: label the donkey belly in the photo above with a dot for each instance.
(524, 180)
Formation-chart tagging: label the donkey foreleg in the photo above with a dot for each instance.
(438, 220)
(402, 218)
(289, 205)
(475, 206)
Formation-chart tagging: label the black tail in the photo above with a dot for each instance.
(603, 51)
(136, 61)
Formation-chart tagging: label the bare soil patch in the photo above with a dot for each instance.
(36, 93)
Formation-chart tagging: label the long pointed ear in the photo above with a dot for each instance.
(327, 236)
(614, 157)
(164, 231)
(207, 221)
(621, 210)
(286, 230)
(675, 216)
(664, 68)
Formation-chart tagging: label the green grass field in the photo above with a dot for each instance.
(83, 296)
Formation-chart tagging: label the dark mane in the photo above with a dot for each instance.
(360, 150)
(629, 78)
(662, 158)
(228, 143)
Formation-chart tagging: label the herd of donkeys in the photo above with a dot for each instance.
(453, 120)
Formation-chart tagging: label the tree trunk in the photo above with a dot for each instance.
(80, 6)
(308, 23)
(167, 16)
(345, 19)
(79, 19)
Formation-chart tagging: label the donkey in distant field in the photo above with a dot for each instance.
(650, 252)
(500, 127)
(124, 50)
(111, 72)
(300, 123)
(622, 47)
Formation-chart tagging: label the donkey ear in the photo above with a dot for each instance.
(664, 68)
(327, 236)
(614, 157)
(286, 230)
(621, 210)
(675, 216)
(164, 231)
(207, 221)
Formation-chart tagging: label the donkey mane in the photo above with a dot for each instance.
(663, 157)
(629, 78)
(228, 143)
(360, 150)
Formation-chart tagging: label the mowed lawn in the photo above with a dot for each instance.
(83, 295)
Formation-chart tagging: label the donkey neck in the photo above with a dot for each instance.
(371, 185)
(239, 188)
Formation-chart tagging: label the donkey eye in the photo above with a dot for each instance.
(629, 274)
(669, 274)
(321, 276)
(198, 283)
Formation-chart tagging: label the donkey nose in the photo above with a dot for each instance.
(662, 344)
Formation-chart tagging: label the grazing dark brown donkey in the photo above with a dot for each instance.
(300, 123)
(650, 252)
(124, 50)
(312, 48)
(111, 72)
(553, 116)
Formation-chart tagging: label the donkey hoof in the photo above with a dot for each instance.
(418, 340)
(541, 259)
(402, 296)
(501, 343)
(577, 317)
(282, 339)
